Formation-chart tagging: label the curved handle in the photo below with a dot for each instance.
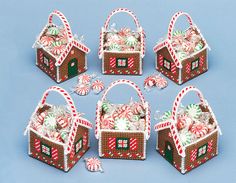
(173, 21)
(63, 93)
(63, 20)
(127, 82)
(181, 95)
(123, 10)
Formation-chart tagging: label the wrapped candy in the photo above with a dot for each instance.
(199, 129)
(198, 47)
(57, 43)
(149, 82)
(82, 89)
(41, 117)
(121, 124)
(106, 106)
(107, 122)
(124, 32)
(97, 86)
(93, 164)
(138, 109)
(123, 112)
(62, 122)
(46, 41)
(166, 116)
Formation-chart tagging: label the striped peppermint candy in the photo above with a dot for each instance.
(124, 111)
(107, 122)
(41, 117)
(57, 50)
(138, 109)
(97, 86)
(161, 82)
(46, 40)
(199, 129)
(149, 82)
(93, 164)
(84, 78)
(82, 89)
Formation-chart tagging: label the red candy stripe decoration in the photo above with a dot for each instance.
(199, 130)
(82, 89)
(46, 41)
(107, 122)
(93, 164)
(97, 86)
(150, 81)
(85, 78)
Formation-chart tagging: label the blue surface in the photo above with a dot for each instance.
(22, 85)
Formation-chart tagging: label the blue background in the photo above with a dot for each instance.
(22, 85)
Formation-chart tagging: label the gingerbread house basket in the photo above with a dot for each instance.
(122, 51)
(122, 129)
(58, 53)
(183, 55)
(58, 135)
(188, 136)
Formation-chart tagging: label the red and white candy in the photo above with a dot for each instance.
(161, 82)
(149, 82)
(97, 86)
(82, 89)
(93, 164)
(62, 121)
(46, 40)
(107, 122)
(123, 112)
(84, 78)
(138, 109)
(199, 129)
(57, 50)
(41, 117)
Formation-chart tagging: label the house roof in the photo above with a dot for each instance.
(171, 123)
(77, 120)
(167, 42)
(71, 40)
(106, 25)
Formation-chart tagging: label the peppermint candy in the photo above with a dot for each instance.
(149, 82)
(50, 122)
(131, 41)
(93, 164)
(138, 109)
(161, 82)
(54, 31)
(123, 112)
(193, 111)
(166, 116)
(114, 47)
(198, 47)
(84, 78)
(82, 89)
(183, 121)
(199, 129)
(124, 32)
(63, 122)
(57, 43)
(106, 106)
(121, 124)
(41, 117)
(46, 41)
(97, 86)
(57, 50)
(185, 137)
(107, 122)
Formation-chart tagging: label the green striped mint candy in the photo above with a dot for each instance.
(198, 47)
(177, 33)
(64, 135)
(131, 41)
(53, 31)
(57, 43)
(166, 115)
(193, 110)
(50, 122)
(105, 106)
(114, 47)
(185, 138)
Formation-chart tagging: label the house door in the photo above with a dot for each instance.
(72, 68)
(169, 152)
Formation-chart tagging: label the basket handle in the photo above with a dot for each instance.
(121, 10)
(127, 82)
(63, 20)
(181, 95)
(174, 19)
(63, 93)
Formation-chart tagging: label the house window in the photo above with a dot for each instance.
(122, 143)
(46, 150)
(46, 61)
(78, 145)
(202, 150)
(121, 62)
(167, 64)
(195, 64)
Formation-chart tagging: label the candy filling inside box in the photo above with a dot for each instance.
(194, 122)
(53, 122)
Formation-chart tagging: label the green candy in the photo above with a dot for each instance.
(166, 115)
(64, 135)
(185, 138)
(177, 33)
(53, 31)
(114, 47)
(50, 122)
(131, 41)
(198, 47)
(193, 110)
(105, 106)
(57, 43)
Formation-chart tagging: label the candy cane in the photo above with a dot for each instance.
(122, 10)
(173, 21)
(64, 21)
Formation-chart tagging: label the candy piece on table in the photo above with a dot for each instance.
(53, 31)
(121, 124)
(161, 82)
(93, 164)
(114, 47)
(107, 122)
(185, 137)
(199, 129)
(84, 78)
(50, 122)
(46, 41)
(82, 89)
(149, 82)
(97, 86)
(131, 41)
(193, 111)
(57, 50)
(166, 115)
